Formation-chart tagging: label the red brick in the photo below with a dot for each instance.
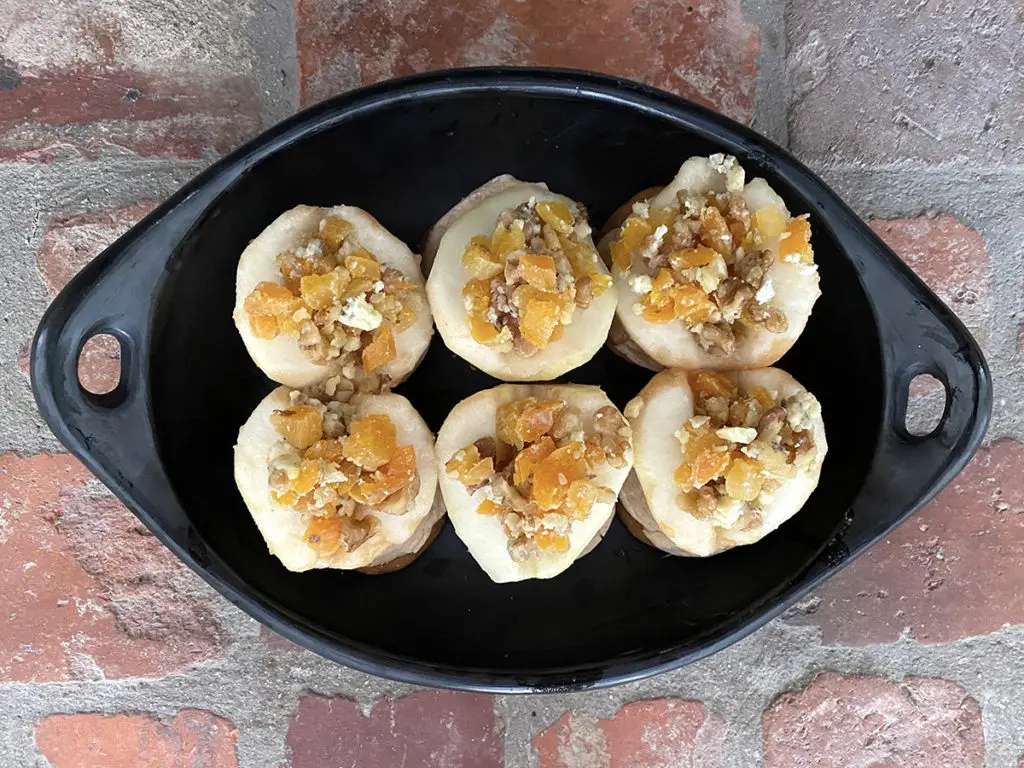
(194, 738)
(276, 642)
(704, 49)
(863, 722)
(952, 571)
(661, 733)
(69, 243)
(427, 729)
(92, 75)
(952, 260)
(85, 590)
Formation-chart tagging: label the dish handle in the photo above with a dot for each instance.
(918, 335)
(111, 433)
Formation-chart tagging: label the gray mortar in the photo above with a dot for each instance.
(770, 96)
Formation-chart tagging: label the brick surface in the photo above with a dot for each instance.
(929, 82)
(278, 642)
(952, 571)
(86, 592)
(192, 739)
(703, 49)
(427, 729)
(69, 243)
(155, 79)
(662, 733)
(866, 722)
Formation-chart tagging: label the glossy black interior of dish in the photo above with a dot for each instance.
(408, 163)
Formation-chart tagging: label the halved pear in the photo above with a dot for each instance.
(657, 345)
(280, 358)
(397, 540)
(648, 501)
(484, 535)
(477, 214)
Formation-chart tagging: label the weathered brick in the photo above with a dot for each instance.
(879, 81)
(704, 50)
(194, 738)
(952, 260)
(861, 722)
(157, 79)
(276, 642)
(69, 243)
(661, 733)
(427, 729)
(86, 592)
(951, 571)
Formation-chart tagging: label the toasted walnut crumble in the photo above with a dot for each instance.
(538, 473)
(703, 260)
(342, 304)
(739, 447)
(528, 278)
(337, 471)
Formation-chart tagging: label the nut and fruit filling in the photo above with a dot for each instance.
(704, 260)
(739, 447)
(342, 304)
(528, 278)
(338, 471)
(538, 473)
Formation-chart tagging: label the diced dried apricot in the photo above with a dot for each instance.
(357, 286)
(546, 539)
(333, 231)
(362, 264)
(381, 350)
(556, 215)
(406, 317)
(661, 217)
(264, 326)
(538, 321)
(631, 236)
(743, 481)
(661, 287)
(468, 467)
(488, 507)
(483, 331)
(797, 241)
(402, 468)
(705, 458)
(328, 450)
(528, 458)
(324, 534)
(714, 232)
(505, 240)
(700, 256)
(658, 313)
(711, 384)
(594, 452)
(539, 271)
(300, 425)
(599, 283)
(769, 221)
(691, 305)
(371, 491)
(505, 418)
(480, 262)
(580, 498)
(763, 396)
(555, 473)
(536, 418)
(321, 291)
(479, 294)
(269, 300)
(288, 498)
(370, 441)
(308, 477)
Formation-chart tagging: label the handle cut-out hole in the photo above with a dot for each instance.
(99, 364)
(925, 405)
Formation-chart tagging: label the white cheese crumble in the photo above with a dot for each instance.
(640, 283)
(643, 210)
(638, 309)
(742, 435)
(801, 411)
(313, 249)
(357, 313)
(766, 292)
(697, 422)
(728, 512)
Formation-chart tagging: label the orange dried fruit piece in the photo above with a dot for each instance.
(505, 418)
(536, 418)
(769, 221)
(333, 231)
(479, 294)
(483, 331)
(327, 449)
(488, 507)
(661, 217)
(599, 283)
(480, 262)
(763, 396)
(324, 534)
(658, 313)
(300, 425)
(556, 215)
(593, 452)
(797, 242)
(691, 305)
(370, 441)
(321, 291)
(714, 232)
(631, 236)
(381, 350)
(507, 239)
(553, 476)
(661, 287)
(406, 317)
(711, 384)
(539, 271)
(288, 498)
(308, 477)
(266, 304)
(401, 469)
(468, 467)
(361, 264)
(743, 480)
(546, 539)
(528, 458)
(539, 320)
(705, 458)
(580, 498)
(700, 256)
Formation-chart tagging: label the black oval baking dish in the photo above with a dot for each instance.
(406, 150)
